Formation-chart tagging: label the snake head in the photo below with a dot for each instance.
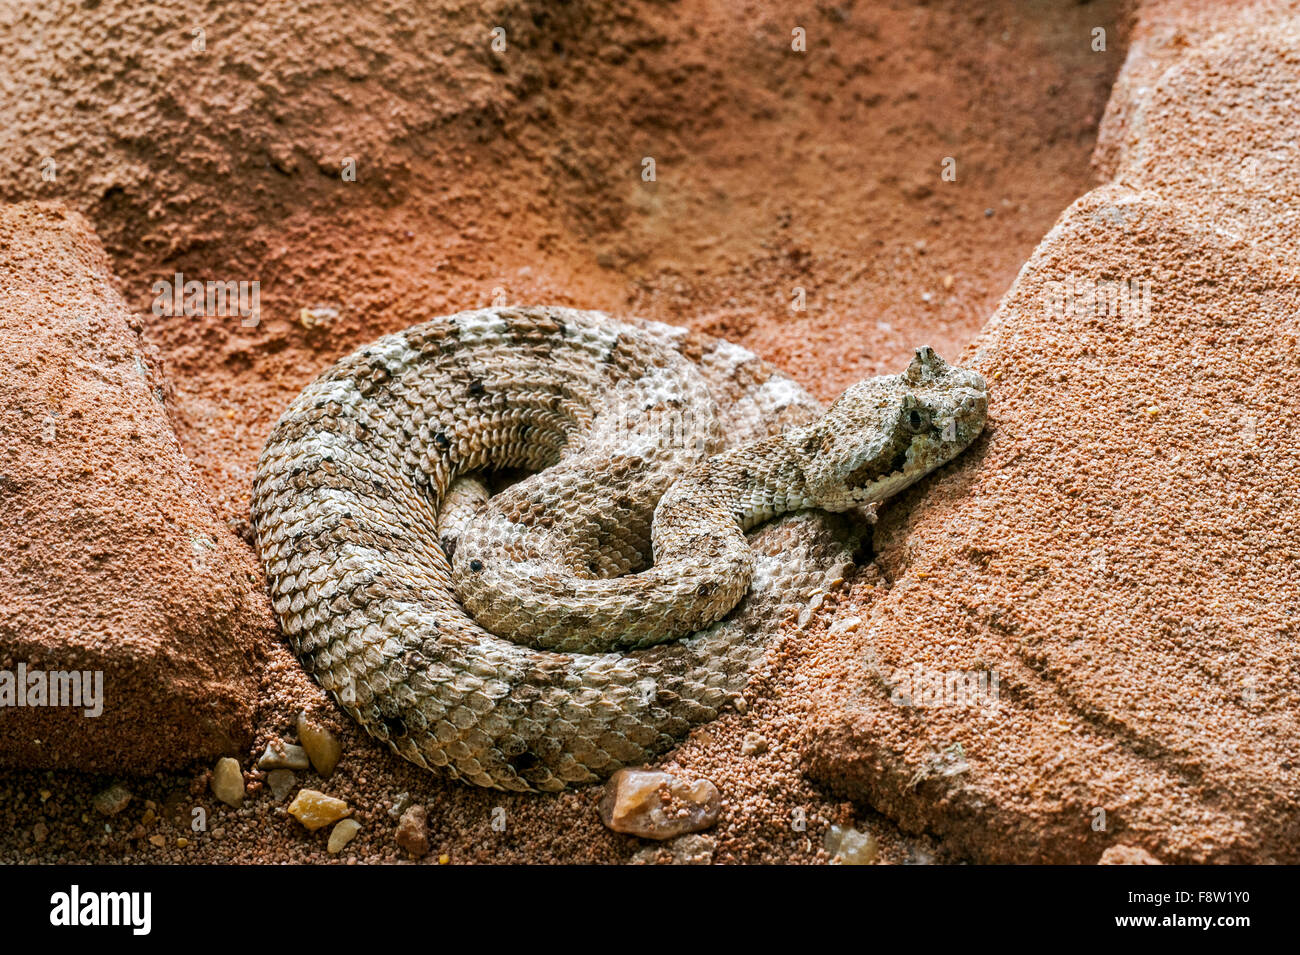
(884, 433)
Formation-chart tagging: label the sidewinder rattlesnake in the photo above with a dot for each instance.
(596, 585)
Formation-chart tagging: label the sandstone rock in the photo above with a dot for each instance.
(1120, 550)
(322, 746)
(315, 809)
(228, 782)
(657, 805)
(413, 832)
(344, 831)
(112, 562)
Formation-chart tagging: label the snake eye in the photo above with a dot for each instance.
(916, 420)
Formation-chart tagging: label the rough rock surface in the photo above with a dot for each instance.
(1122, 548)
(111, 558)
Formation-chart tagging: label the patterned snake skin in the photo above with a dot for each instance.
(594, 636)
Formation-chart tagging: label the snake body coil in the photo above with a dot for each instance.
(649, 453)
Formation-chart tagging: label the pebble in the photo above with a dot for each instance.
(814, 604)
(413, 831)
(322, 746)
(158, 841)
(400, 802)
(282, 755)
(40, 832)
(342, 833)
(315, 809)
(657, 805)
(753, 745)
(851, 847)
(692, 849)
(1127, 855)
(228, 782)
(318, 316)
(281, 783)
(112, 800)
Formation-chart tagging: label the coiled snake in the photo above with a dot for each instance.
(597, 584)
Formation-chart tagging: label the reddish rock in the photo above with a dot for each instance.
(1121, 549)
(413, 832)
(111, 559)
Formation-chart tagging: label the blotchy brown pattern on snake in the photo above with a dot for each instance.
(368, 481)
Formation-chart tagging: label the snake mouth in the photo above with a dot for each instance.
(872, 473)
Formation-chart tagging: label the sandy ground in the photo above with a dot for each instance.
(518, 177)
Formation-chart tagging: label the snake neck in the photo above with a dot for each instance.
(744, 487)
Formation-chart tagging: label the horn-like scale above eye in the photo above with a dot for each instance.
(925, 364)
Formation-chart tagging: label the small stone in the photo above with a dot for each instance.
(753, 745)
(691, 849)
(413, 831)
(845, 624)
(399, 805)
(315, 809)
(444, 859)
(45, 795)
(850, 847)
(322, 746)
(181, 842)
(228, 782)
(281, 782)
(40, 832)
(342, 833)
(219, 833)
(318, 316)
(657, 805)
(112, 800)
(156, 840)
(149, 817)
(282, 755)
(1127, 855)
